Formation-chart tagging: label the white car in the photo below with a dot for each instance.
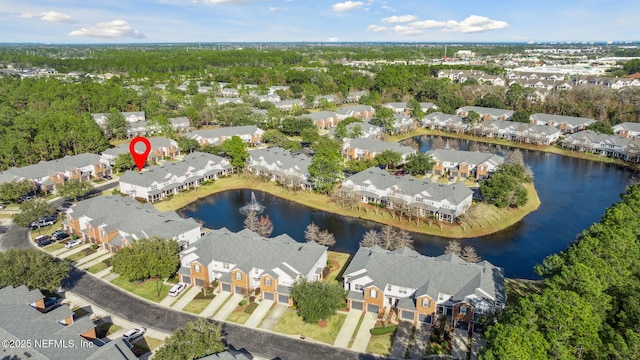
(177, 289)
(73, 243)
(134, 334)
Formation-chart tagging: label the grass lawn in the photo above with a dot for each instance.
(291, 324)
(518, 288)
(53, 247)
(199, 303)
(146, 290)
(362, 211)
(98, 267)
(79, 255)
(380, 344)
(338, 262)
(106, 329)
(147, 344)
(242, 313)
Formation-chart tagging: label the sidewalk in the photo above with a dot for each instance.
(104, 272)
(215, 304)
(186, 298)
(93, 259)
(363, 336)
(259, 313)
(348, 327)
(72, 251)
(228, 308)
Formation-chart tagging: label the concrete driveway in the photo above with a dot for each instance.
(261, 343)
(459, 348)
(259, 313)
(401, 340)
(228, 307)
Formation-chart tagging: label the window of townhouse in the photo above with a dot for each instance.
(402, 290)
(463, 310)
(267, 282)
(357, 287)
(196, 268)
(426, 303)
(225, 266)
(373, 293)
(238, 275)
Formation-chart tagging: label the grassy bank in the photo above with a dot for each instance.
(489, 219)
(554, 149)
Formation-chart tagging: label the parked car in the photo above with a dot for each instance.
(108, 177)
(73, 243)
(134, 333)
(177, 289)
(46, 242)
(51, 303)
(41, 238)
(59, 235)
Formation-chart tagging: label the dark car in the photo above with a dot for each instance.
(46, 242)
(41, 238)
(59, 235)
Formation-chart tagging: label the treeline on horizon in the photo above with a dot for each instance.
(590, 305)
(47, 118)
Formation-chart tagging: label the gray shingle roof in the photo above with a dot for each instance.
(320, 115)
(630, 126)
(129, 216)
(345, 110)
(469, 157)
(571, 120)
(283, 158)
(378, 146)
(447, 275)
(51, 167)
(485, 110)
(156, 143)
(251, 250)
(21, 322)
(223, 132)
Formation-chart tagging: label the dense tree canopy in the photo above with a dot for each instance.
(504, 188)
(32, 210)
(317, 300)
(33, 268)
(13, 190)
(326, 165)
(236, 149)
(196, 340)
(74, 189)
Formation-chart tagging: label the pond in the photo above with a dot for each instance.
(574, 194)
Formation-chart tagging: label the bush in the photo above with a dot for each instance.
(242, 302)
(382, 206)
(384, 330)
(94, 247)
(116, 191)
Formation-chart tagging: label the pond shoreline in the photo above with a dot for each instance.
(506, 217)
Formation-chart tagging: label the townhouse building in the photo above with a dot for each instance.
(158, 182)
(420, 288)
(241, 262)
(367, 149)
(446, 122)
(323, 119)
(47, 175)
(464, 164)
(566, 124)
(486, 113)
(160, 148)
(113, 222)
(281, 165)
(360, 111)
(250, 134)
(627, 129)
(603, 144)
(419, 197)
(515, 131)
(51, 333)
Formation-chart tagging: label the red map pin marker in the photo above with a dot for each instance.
(140, 158)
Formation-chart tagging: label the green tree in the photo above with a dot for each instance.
(415, 109)
(274, 138)
(147, 258)
(448, 102)
(419, 163)
(74, 189)
(601, 127)
(236, 149)
(196, 340)
(293, 126)
(504, 188)
(383, 118)
(310, 135)
(188, 145)
(124, 162)
(317, 300)
(31, 211)
(521, 116)
(326, 105)
(472, 117)
(490, 101)
(116, 124)
(356, 166)
(33, 268)
(388, 158)
(356, 131)
(192, 87)
(13, 190)
(326, 165)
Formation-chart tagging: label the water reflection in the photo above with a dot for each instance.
(574, 194)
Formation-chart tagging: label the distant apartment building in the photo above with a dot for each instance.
(250, 134)
(160, 148)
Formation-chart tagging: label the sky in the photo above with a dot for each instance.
(158, 21)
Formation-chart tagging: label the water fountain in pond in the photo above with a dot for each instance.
(252, 205)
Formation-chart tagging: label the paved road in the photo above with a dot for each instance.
(261, 343)
(13, 237)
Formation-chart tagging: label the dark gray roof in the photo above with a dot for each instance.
(429, 275)
(229, 355)
(630, 126)
(51, 167)
(156, 143)
(247, 249)
(282, 158)
(345, 110)
(129, 216)
(223, 132)
(320, 115)
(485, 110)
(20, 321)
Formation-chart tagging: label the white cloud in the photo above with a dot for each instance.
(224, 1)
(377, 28)
(406, 30)
(400, 19)
(427, 24)
(346, 6)
(109, 30)
(389, 8)
(52, 16)
(273, 8)
(475, 23)
(333, 39)
(59, 17)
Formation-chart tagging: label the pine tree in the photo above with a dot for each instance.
(252, 222)
(265, 226)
